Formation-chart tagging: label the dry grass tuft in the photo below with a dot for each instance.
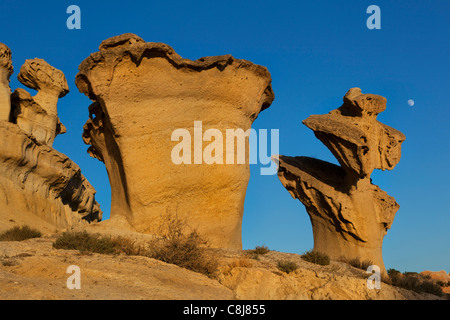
(287, 266)
(96, 243)
(357, 263)
(20, 234)
(316, 257)
(255, 253)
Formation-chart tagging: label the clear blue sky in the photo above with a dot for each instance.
(315, 51)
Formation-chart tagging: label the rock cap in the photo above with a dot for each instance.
(39, 75)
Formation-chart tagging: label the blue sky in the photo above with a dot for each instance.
(315, 51)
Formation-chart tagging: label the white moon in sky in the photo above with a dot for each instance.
(411, 102)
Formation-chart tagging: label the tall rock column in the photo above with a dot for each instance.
(350, 215)
(6, 70)
(142, 93)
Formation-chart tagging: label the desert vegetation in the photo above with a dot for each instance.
(20, 234)
(95, 243)
(183, 247)
(177, 246)
(414, 281)
(360, 264)
(316, 257)
(287, 266)
(255, 253)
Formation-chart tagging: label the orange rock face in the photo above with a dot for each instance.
(437, 275)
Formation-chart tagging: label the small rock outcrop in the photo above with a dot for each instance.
(350, 215)
(442, 275)
(142, 92)
(35, 179)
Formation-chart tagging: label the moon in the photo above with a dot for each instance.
(411, 102)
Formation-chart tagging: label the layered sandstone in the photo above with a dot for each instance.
(350, 215)
(38, 185)
(36, 179)
(141, 93)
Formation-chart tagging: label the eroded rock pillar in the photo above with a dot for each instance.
(6, 70)
(142, 93)
(350, 215)
(38, 115)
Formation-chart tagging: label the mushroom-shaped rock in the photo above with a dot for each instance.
(143, 92)
(350, 216)
(38, 115)
(6, 70)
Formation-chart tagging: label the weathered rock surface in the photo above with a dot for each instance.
(142, 92)
(33, 269)
(37, 179)
(38, 115)
(442, 276)
(437, 275)
(39, 186)
(350, 215)
(6, 70)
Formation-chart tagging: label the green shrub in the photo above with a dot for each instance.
(95, 243)
(316, 257)
(20, 234)
(261, 250)
(393, 272)
(287, 266)
(414, 282)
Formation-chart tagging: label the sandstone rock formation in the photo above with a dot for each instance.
(35, 179)
(142, 92)
(6, 70)
(350, 215)
(438, 275)
(38, 115)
